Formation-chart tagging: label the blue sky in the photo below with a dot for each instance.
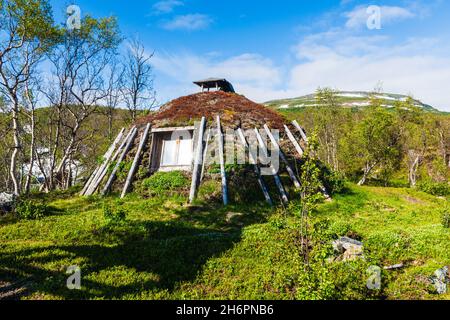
(288, 48)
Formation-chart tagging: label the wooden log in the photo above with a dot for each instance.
(222, 162)
(294, 141)
(283, 157)
(254, 160)
(106, 158)
(302, 133)
(205, 154)
(91, 178)
(197, 160)
(112, 177)
(150, 154)
(102, 173)
(136, 161)
(277, 178)
(104, 167)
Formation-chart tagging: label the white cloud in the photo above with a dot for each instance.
(251, 74)
(330, 59)
(166, 6)
(358, 16)
(189, 22)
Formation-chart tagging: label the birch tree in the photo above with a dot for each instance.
(138, 91)
(77, 78)
(26, 28)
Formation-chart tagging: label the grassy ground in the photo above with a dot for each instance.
(167, 250)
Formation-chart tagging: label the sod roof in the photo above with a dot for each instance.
(234, 110)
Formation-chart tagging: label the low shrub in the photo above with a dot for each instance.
(334, 182)
(114, 215)
(434, 188)
(446, 219)
(31, 210)
(165, 182)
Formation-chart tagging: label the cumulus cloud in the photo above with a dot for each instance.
(251, 74)
(332, 59)
(166, 6)
(189, 22)
(358, 17)
(348, 62)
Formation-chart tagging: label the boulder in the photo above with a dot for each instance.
(440, 280)
(6, 201)
(350, 249)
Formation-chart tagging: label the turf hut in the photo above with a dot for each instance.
(214, 134)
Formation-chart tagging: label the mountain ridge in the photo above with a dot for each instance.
(348, 99)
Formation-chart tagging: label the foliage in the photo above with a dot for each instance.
(165, 182)
(434, 188)
(446, 218)
(31, 210)
(113, 215)
(167, 250)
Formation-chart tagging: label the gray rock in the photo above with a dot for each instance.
(440, 279)
(349, 248)
(6, 201)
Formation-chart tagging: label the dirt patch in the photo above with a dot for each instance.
(413, 200)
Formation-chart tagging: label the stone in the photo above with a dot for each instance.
(440, 280)
(349, 248)
(231, 215)
(6, 201)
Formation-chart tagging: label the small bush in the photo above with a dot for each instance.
(446, 219)
(113, 215)
(30, 210)
(166, 182)
(434, 188)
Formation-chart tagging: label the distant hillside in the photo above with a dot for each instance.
(349, 99)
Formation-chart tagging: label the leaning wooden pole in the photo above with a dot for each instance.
(136, 162)
(104, 170)
(254, 160)
(91, 178)
(112, 177)
(277, 178)
(294, 141)
(283, 157)
(302, 133)
(106, 159)
(198, 160)
(222, 162)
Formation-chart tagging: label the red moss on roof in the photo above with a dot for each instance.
(234, 110)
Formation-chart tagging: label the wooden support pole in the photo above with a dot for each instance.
(91, 178)
(106, 158)
(197, 161)
(97, 178)
(278, 182)
(205, 154)
(150, 153)
(302, 133)
(294, 141)
(222, 162)
(136, 161)
(102, 173)
(112, 177)
(283, 157)
(253, 159)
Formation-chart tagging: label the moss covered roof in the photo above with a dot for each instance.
(234, 110)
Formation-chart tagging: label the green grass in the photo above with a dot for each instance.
(168, 250)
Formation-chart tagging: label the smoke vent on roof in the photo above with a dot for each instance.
(215, 84)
